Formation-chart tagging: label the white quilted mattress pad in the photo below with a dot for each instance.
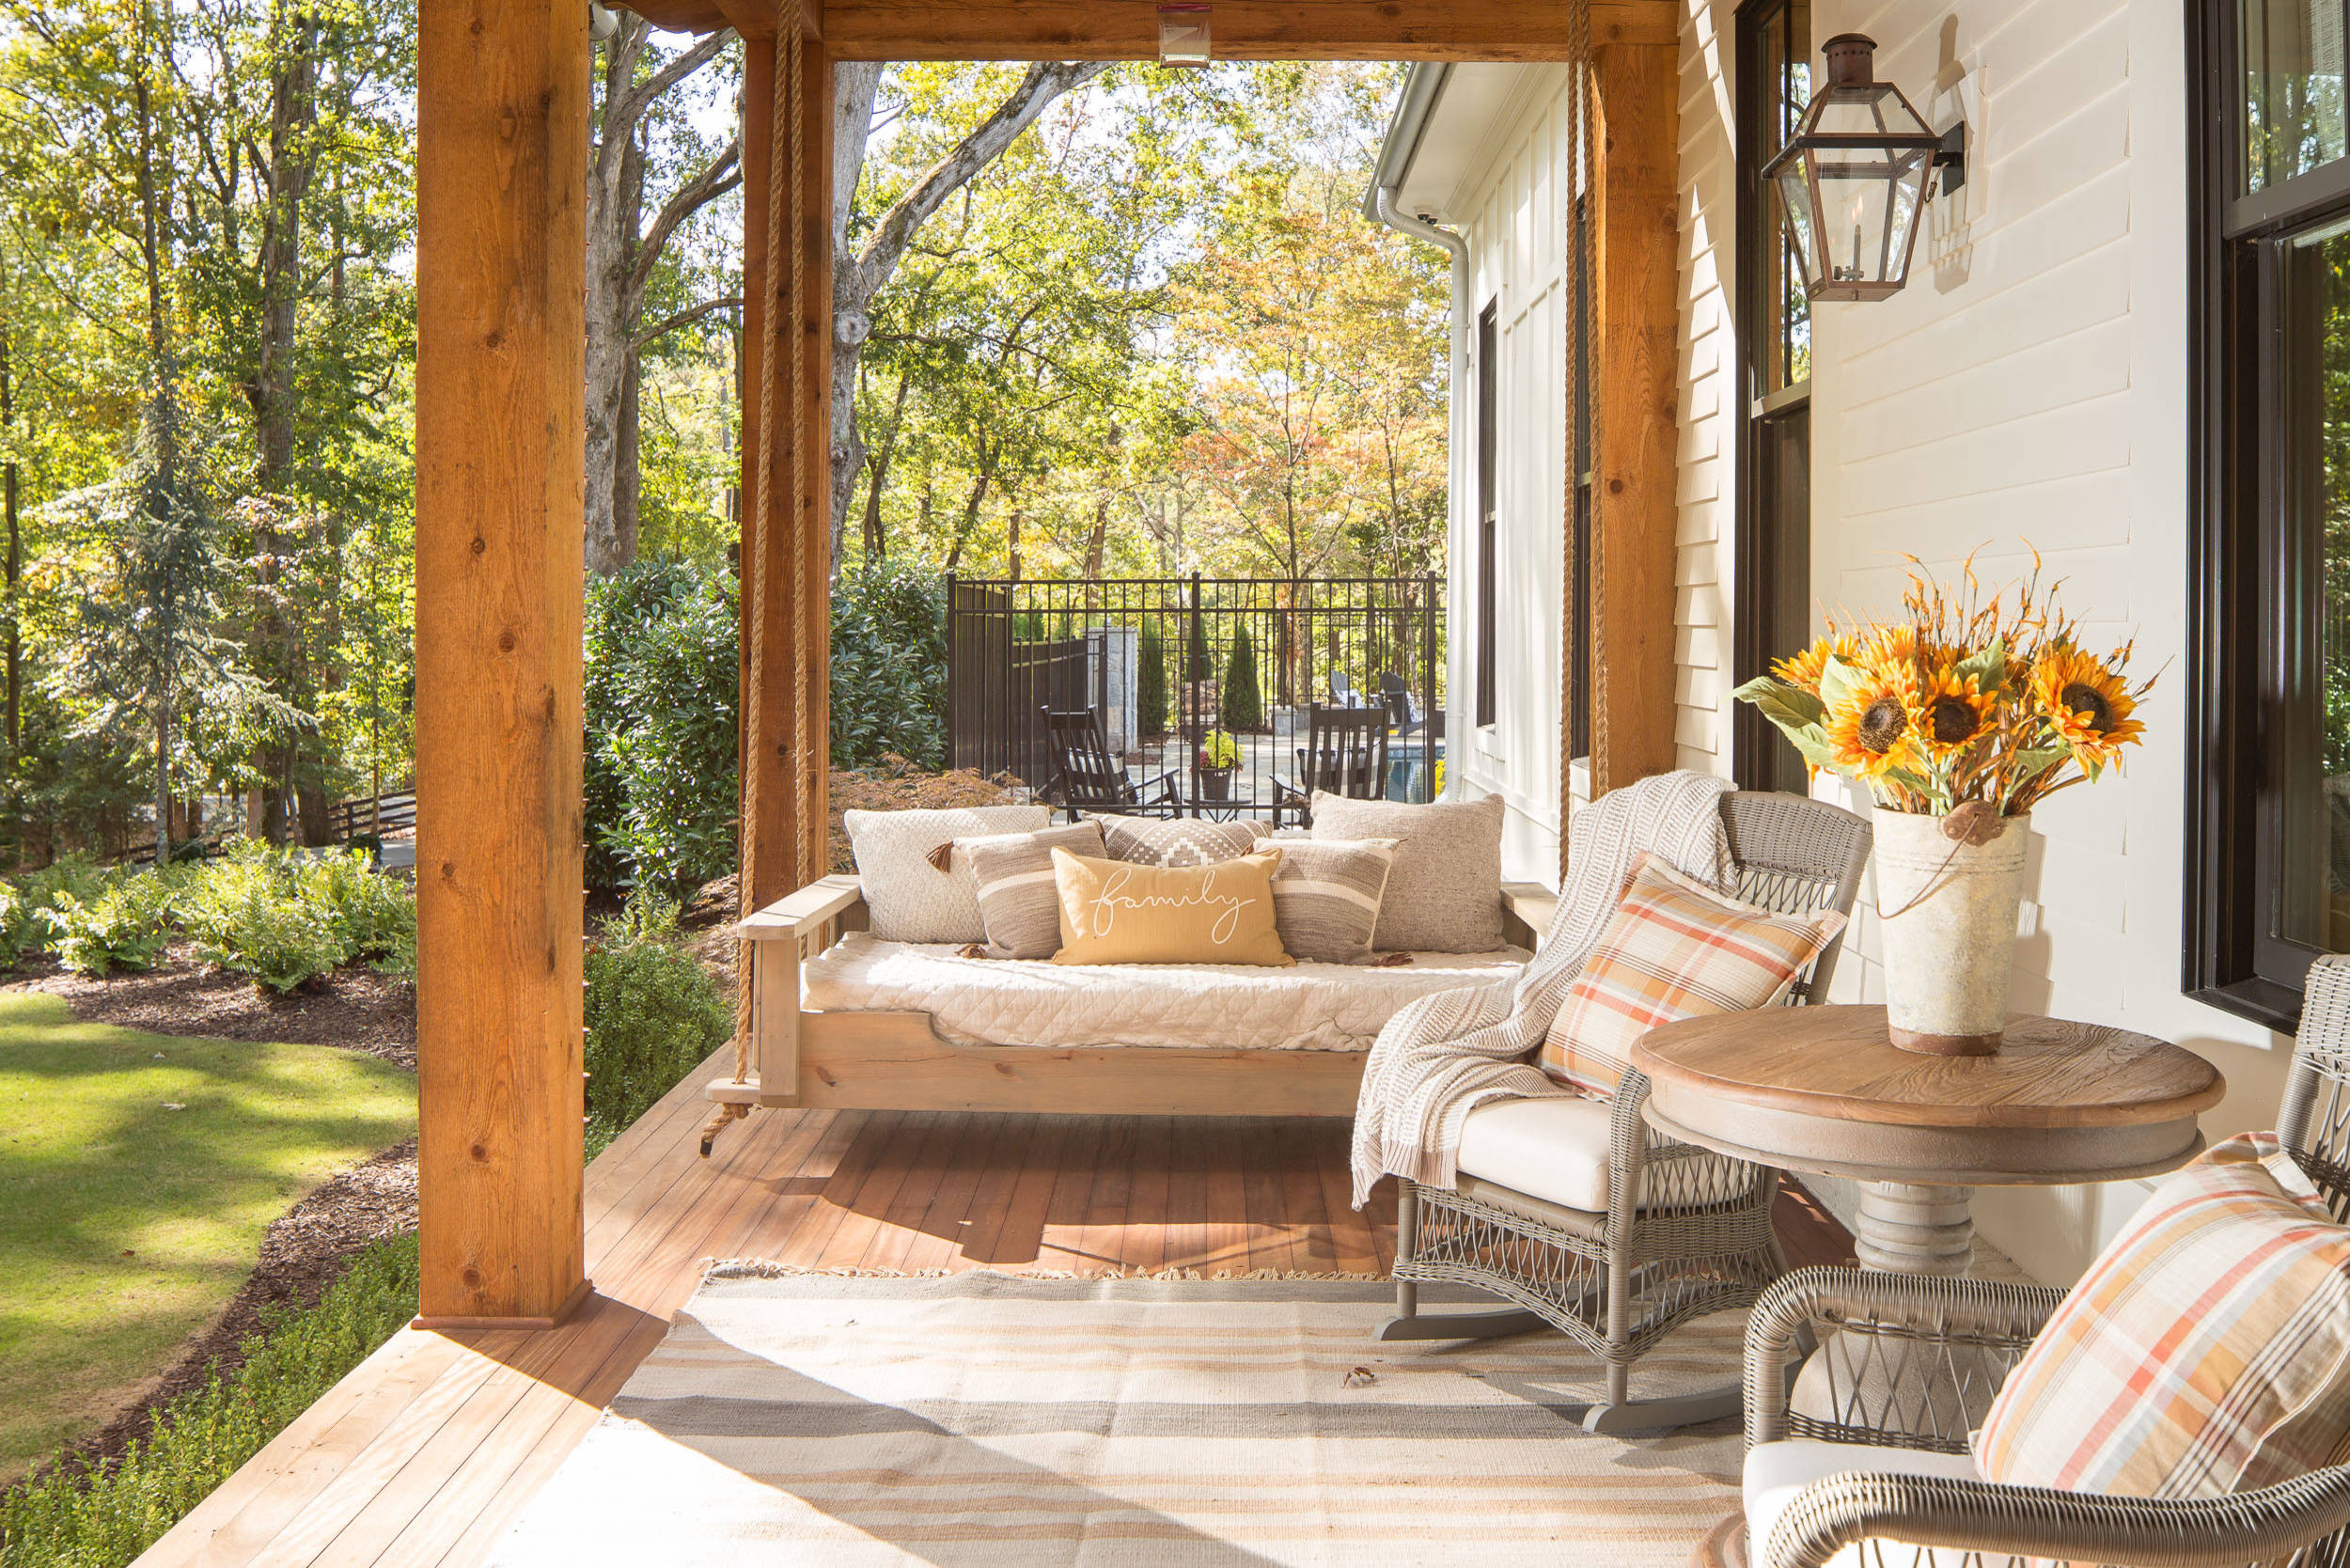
(991, 1001)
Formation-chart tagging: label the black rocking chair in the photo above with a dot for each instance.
(1087, 778)
(1345, 753)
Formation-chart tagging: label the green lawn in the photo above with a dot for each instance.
(124, 1225)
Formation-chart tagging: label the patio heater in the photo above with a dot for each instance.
(1854, 176)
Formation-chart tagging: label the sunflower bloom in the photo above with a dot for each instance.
(2087, 705)
(1802, 670)
(1949, 712)
(1870, 734)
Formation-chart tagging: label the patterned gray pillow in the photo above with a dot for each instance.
(1018, 901)
(1443, 895)
(1326, 897)
(1177, 841)
(910, 898)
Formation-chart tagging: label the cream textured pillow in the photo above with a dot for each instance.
(2206, 1351)
(1443, 895)
(1326, 897)
(1117, 912)
(1176, 840)
(1017, 899)
(910, 899)
(1674, 948)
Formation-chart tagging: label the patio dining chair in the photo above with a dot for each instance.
(1590, 1222)
(1085, 777)
(1867, 1456)
(1345, 753)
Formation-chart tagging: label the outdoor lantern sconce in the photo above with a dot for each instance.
(1183, 34)
(1852, 177)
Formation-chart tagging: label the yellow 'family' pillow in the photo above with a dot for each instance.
(1119, 912)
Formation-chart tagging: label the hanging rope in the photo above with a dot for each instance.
(1582, 411)
(802, 791)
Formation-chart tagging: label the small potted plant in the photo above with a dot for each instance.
(1958, 716)
(1219, 759)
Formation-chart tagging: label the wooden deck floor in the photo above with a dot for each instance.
(427, 1450)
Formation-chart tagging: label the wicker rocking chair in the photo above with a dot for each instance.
(1638, 1233)
(1868, 1451)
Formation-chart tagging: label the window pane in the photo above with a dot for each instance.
(2314, 877)
(2293, 87)
(1786, 72)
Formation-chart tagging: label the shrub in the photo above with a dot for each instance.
(653, 1015)
(889, 666)
(285, 917)
(77, 1516)
(663, 682)
(1198, 663)
(1244, 707)
(25, 903)
(123, 927)
(1152, 676)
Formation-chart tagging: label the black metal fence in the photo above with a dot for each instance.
(1166, 662)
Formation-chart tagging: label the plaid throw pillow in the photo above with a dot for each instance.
(2206, 1351)
(1675, 949)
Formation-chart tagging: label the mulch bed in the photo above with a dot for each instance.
(354, 1007)
(302, 1254)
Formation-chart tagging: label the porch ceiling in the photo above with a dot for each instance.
(1129, 29)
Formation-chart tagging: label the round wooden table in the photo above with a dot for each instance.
(1824, 1090)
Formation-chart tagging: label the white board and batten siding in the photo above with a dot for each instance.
(1509, 209)
(2028, 389)
(2029, 386)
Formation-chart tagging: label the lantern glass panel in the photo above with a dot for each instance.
(1854, 194)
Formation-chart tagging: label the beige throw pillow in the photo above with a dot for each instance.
(1017, 897)
(1326, 897)
(909, 897)
(1443, 895)
(1117, 912)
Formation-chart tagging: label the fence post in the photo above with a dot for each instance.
(954, 725)
(1195, 721)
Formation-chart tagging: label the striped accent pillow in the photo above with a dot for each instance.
(1177, 841)
(2206, 1351)
(1326, 897)
(1018, 901)
(1674, 948)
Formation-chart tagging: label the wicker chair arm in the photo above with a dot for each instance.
(2033, 1522)
(1923, 1307)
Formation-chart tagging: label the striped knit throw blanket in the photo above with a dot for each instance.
(1444, 1055)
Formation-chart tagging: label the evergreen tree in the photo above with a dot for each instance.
(1244, 706)
(1151, 701)
(1198, 663)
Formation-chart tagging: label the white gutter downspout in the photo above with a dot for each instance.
(1421, 92)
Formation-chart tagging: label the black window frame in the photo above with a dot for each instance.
(1488, 510)
(2244, 542)
(1771, 561)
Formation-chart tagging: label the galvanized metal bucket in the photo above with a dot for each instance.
(1946, 914)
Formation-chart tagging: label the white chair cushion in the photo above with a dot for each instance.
(1777, 1471)
(1557, 1150)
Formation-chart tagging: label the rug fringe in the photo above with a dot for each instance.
(763, 1268)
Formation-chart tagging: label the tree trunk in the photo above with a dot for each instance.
(292, 161)
(15, 560)
(857, 280)
(623, 250)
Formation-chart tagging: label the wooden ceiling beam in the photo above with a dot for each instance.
(1242, 29)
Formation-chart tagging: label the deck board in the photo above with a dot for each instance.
(426, 1451)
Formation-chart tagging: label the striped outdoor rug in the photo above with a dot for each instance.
(984, 1419)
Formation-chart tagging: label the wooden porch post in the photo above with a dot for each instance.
(1637, 307)
(787, 598)
(501, 160)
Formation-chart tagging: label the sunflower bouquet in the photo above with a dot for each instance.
(1968, 696)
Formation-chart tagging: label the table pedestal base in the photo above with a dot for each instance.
(1907, 1229)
